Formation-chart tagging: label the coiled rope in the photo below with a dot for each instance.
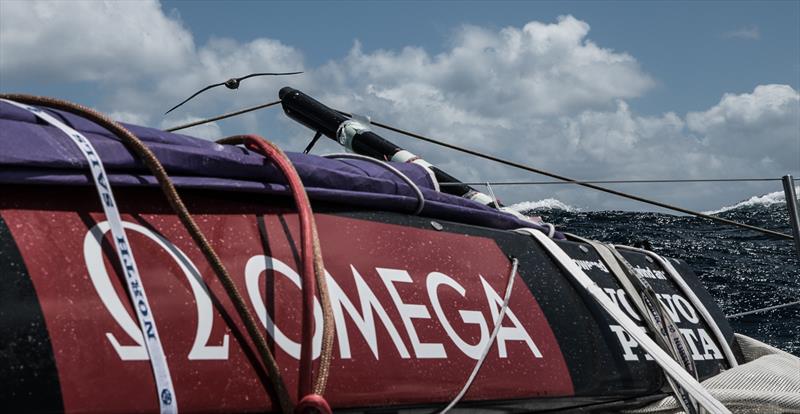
(149, 159)
(312, 266)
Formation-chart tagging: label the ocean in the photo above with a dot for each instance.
(742, 269)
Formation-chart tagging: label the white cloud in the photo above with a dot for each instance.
(542, 94)
(218, 60)
(613, 137)
(129, 117)
(746, 33)
(90, 41)
(539, 69)
(762, 126)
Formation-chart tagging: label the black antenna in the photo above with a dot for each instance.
(232, 83)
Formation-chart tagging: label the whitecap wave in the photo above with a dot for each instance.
(763, 200)
(546, 204)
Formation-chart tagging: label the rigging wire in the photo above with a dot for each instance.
(759, 310)
(499, 183)
(588, 184)
(698, 180)
(223, 116)
(420, 197)
(497, 324)
(573, 181)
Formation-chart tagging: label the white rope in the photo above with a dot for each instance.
(494, 197)
(652, 312)
(409, 158)
(669, 336)
(412, 184)
(497, 323)
(695, 301)
(672, 368)
(167, 401)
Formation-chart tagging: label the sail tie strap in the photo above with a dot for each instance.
(137, 147)
(671, 368)
(694, 300)
(167, 401)
(653, 314)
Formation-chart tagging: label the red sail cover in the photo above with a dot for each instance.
(414, 297)
(413, 307)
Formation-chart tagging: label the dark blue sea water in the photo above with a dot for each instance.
(742, 269)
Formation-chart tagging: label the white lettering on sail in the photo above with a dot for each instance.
(506, 333)
(252, 272)
(98, 274)
(410, 311)
(365, 322)
(363, 308)
(434, 281)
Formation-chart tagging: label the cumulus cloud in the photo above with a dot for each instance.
(128, 117)
(541, 69)
(90, 41)
(214, 62)
(145, 60)
(763, 126)
(543, 94)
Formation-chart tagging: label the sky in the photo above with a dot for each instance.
(590, 90)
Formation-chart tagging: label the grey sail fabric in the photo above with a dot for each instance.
(768, 382)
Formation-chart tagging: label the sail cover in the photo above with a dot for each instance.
(35, 153)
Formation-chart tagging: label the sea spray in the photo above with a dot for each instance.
(546, 204)
(778, 197)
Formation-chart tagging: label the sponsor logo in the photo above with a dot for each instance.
(360, 307)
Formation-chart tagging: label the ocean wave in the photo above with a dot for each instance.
(764, 200)
(546, 204)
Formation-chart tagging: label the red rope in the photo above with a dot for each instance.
(134, 144)
(311, 399)
(312, 269)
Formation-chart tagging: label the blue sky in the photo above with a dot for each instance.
(592, 90)
(690, 47)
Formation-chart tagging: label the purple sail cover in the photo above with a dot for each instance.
(33, 152)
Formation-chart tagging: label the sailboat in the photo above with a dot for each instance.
(145, 270)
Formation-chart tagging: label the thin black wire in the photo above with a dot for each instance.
(223, 116)
(232, 83)
(709, 180)
(516, 165)
(584, 184)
